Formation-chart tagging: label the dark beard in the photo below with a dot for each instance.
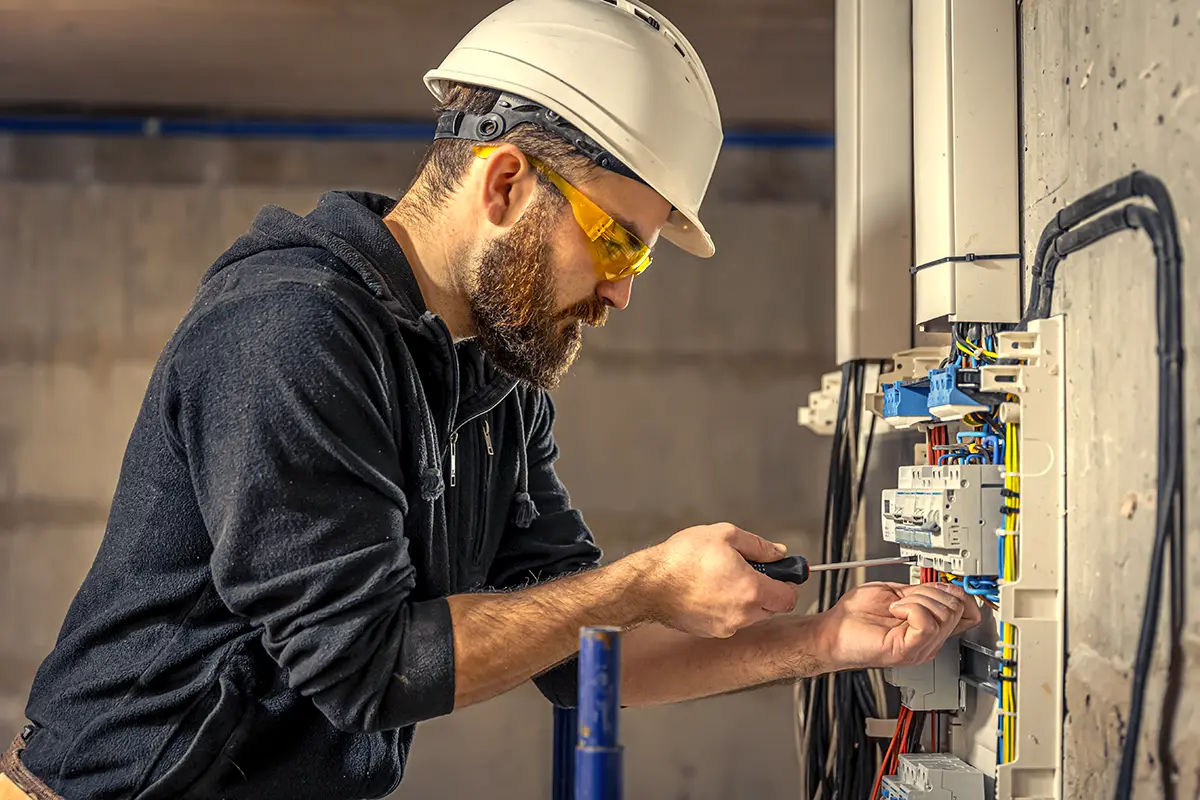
(513, 303)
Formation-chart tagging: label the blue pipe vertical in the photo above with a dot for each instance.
(597, 754)
(566, 723)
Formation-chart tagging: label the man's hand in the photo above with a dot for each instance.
(701, 583)
(894, 624)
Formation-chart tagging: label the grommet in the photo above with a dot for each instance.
(491, 126)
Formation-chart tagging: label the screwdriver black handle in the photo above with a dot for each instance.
(790, 569)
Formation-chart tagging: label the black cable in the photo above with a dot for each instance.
(842, 734)
(1059, 239)
(1135, 184)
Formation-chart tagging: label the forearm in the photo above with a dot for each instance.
(502, 640)
(659, 665)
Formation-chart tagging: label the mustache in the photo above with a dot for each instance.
(592, 312)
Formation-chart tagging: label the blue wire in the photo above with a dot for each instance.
(997, 447)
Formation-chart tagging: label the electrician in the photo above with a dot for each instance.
(347, 447)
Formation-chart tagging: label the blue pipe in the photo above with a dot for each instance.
(566, 723)
(597, 752)
(322, 130)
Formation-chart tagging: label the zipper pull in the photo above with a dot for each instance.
(487, 437)
(454, 458)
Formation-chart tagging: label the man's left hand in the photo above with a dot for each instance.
(895, 624)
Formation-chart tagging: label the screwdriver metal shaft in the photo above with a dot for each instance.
(870, 562)
(795, 569)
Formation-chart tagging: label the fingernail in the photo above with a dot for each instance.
(945, 587)
(782, 548)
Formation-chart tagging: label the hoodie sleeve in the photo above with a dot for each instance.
(277, 404)
(556, 542)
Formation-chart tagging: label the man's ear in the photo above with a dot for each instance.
(506, 185)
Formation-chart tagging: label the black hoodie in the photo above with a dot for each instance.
(315, 467)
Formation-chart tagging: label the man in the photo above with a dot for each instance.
(338, 513)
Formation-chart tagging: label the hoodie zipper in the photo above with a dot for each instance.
(481, 539)
(487, 437)
(454, 458)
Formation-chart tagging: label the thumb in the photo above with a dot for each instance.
(777, 596)
(755, 548)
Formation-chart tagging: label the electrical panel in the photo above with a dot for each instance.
(986, 512)
(947, 516)
(932, 686)
(934, 776)
(982, 502)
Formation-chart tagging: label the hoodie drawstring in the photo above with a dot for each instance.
(524, 511)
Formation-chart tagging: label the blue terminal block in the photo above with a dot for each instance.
(944, 391)
(903, 400)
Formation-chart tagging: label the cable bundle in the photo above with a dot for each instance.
(1006, 724)
(1068, 233)
(837, 759)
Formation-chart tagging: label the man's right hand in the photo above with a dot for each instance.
(701, 584)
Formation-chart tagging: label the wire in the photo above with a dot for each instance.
(888, 767)
(837, 757)
(1062, 236)
(1006, 751)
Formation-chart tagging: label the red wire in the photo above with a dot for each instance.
(885, 767)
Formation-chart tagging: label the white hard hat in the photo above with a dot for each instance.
(619, 72)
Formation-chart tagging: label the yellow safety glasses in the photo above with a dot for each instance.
(618, 253)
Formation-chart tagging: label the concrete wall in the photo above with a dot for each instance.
(1110, 86)
(362, 57)
(681, 411)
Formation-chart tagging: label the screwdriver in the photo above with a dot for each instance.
(795, 569)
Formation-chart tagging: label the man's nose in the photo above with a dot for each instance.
(616, 294)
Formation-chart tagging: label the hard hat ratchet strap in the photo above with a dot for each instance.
(511, 111)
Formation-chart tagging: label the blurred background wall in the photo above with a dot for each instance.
(681, 411)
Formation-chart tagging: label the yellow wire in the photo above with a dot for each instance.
(973, 349)
(1008, 699)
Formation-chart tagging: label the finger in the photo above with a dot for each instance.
(972, 616)
(951, 589)
(896, 587)
(774, 596)
(934, 593)
(755, 616)
(943, 611)
(922, 631)
(755, 548)
(972, 613)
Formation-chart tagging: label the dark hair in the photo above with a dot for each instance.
(441, 169)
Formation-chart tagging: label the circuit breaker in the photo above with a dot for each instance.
(932, 686)
(933, 776)
(947, 516)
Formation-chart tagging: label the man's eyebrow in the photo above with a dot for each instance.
(629, 226)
